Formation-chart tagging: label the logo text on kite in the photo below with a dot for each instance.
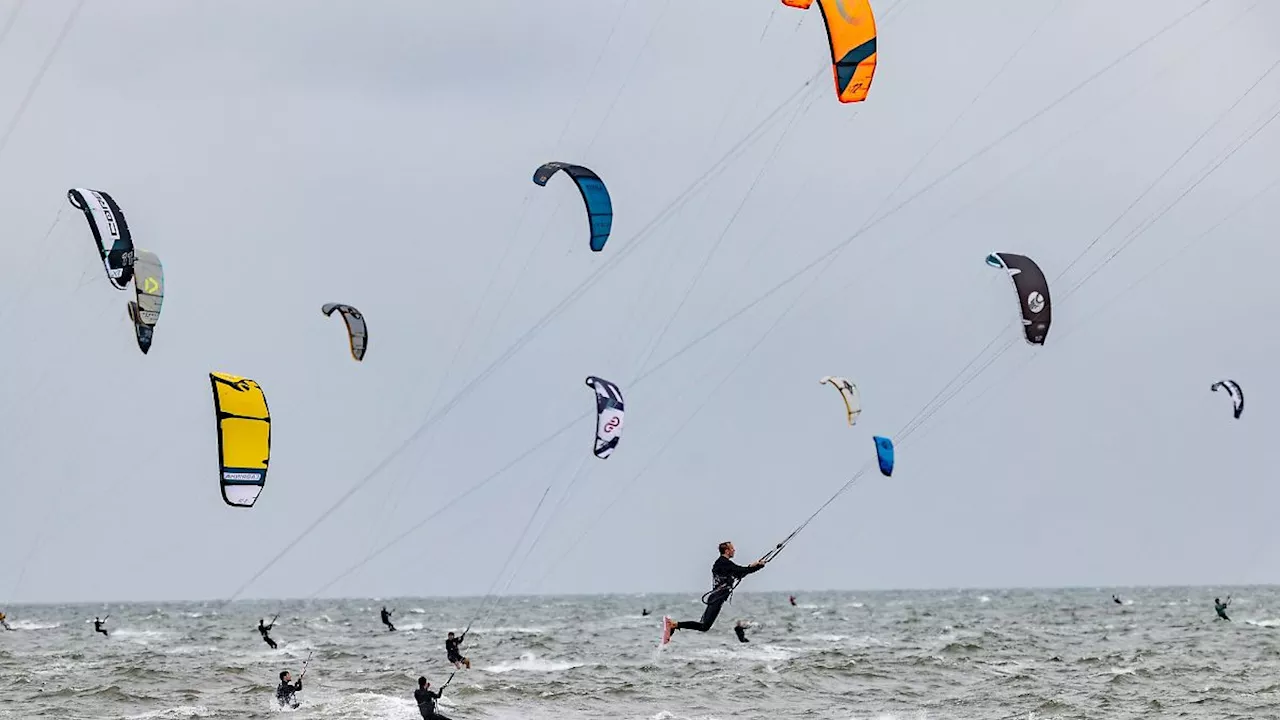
(1035, 302)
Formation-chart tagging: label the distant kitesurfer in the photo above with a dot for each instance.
(451, 646)
(792, 599)
(4, 621)
(741, 631)
(284, 693)
(724, 575)
(386, 619)
(427, 700)
(1221, 607)
(644, 612)
(1116, 599)
(97, 625)
(263, 629)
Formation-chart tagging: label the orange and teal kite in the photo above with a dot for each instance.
(851, 28)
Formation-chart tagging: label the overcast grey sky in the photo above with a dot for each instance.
(281, 155)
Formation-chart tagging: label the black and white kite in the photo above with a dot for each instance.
(1233, 389)
(608, 415)
(1033, 293)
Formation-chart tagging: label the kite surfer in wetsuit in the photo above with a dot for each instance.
(386, 619)
(427, 700)
(1116, 599)
(451, 645)
(741, 631)
(4, 622)
(97, 625)
(284, 693)
(264, 629)
(1221, 607)
(725, 574)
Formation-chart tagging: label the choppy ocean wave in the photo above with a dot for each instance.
(963, 655)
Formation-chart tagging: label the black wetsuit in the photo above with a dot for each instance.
(386, 620)
(97, 627)
(724, 573)
(264, 629)
(284, 693)
(427, 704)
(451, 647)
(1221, 608)
(741, 632)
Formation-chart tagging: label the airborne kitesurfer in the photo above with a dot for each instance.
(386, 619)
(264, 629)
(1221, 607)
(97, 625)
(740, 630)
(284, 693)
(725, 574)
(427, 700)
(451, 646)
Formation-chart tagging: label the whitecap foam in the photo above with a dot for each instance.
(182, 712)
(528, 662)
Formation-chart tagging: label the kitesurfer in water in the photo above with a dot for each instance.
(386, 619)
(4, 621)
(284, 693)
(792, 599)
(741, 631)
(451, 646)
(725, 573)
(264, 629)
(427, 700)
(1116, 599)
(644, 612)
(97, 625)
(1221, 607)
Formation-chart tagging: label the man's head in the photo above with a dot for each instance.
(450, 634)
(422, 683)
(1217, 601)
(726, 549)
(285, 676)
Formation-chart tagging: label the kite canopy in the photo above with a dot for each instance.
(851, 31)
(594, 194)
(609, 412)
(244, 437)
(884, 454)
(849, 393)
(1033, 293)
(1233, 390)
(357, 330)
(148, 283)
(110, 232)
